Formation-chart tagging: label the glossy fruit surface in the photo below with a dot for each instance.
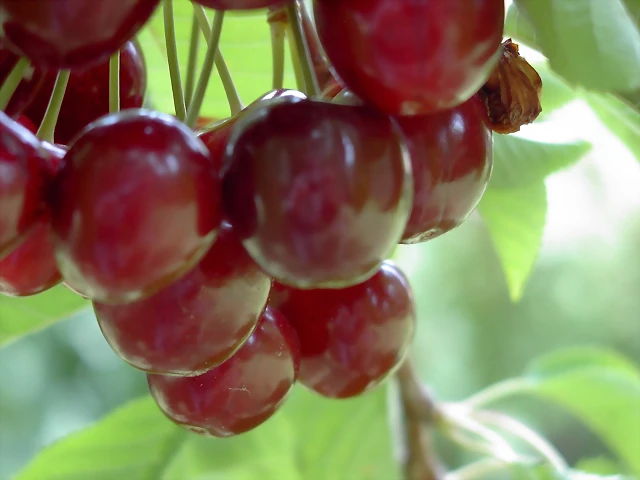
(23, 179)
(31, 267)
(87, 95)
(71, 33)
(350, 339)
(240, 4)
(241, 393)
(319, 192)
(451, 158)
(136, 206)
(29, 85)
(411, 57)
(197, 322)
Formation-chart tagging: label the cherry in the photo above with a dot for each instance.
(350, 339)
(70, 33)
(31, 268)
(87, 95)
(23, 179)
(27, 123)
(195, 323)
(411, 57)
(241, 393)
(240, 4)
(27, 88)
(320, 193)
(136, 206)
(451, 161)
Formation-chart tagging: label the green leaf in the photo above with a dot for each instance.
(599, 466)
(515, 219)
(519, 27)
(601, 388)
(310, 438)
(593, 43)
(619, 117)
(21, 316)
(245, 45)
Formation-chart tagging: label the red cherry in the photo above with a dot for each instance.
(319, 192)
(23, 179)
(27, 88)
(241, 393)
(240, 4)
(87, 96)
(411, 57)
(27, 123)
(136, 206)
(71, 33)
(451, 158)
(350, 339)
(195, 323)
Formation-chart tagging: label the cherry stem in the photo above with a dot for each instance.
(48, 126)
(114, 82)
(480, 469)
(194, 46)
(297, 68)
(419, 411)
(207, 67)
(172, 57)
(12, 81)
(497, 392)
(233, 98)
(311, 87)
(278, 33)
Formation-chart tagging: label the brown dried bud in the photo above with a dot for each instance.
(512, 93)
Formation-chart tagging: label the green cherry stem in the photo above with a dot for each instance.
(114, 82)
(312, 88)
(12, 81)
(497, 392)
(48, 125)
(278, 33)
(194, 46)
(172, 57)
(207, 67)
(233, 98)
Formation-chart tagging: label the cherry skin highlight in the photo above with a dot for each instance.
(411, 57)
(241, 393)
(197, 322)
(350, 339)
(451, 158)
(240, 4)
(23, 182)
(59, 34)
(320, 193)
(87, 96)
(136, 206)
(28, 87)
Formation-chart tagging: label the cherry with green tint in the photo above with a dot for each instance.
(240, 4)
(31, 268)
(27, 88)
(411, 57)
(197, 322)
(136, 206)
(67, 34)
(240, 394)
(354, 338)
(320, 193)
(451, 159)
(87, 95)
(23, 182)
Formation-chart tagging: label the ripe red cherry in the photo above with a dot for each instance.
(240, 4)
(31, 268)
(241, 393)
(27, 123)
(350, 339)
(87, 95)
(451, 158)
(411, 57)
(136, 206)
(319, 192)
(195, 323)
(71, 33)
(23, 179)
(27, 88)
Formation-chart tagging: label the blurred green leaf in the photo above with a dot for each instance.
(515, 219)
(622, 119)
(21, 316)
(599, 465)
(490, 469)
(589, 42)
(519, 27)
(245, 45)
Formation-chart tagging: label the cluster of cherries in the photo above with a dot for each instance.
(230, 262)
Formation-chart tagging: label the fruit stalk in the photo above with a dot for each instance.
(278, 30)
(172, 58)
(114, 82)
(48, 125)
(12, 81)
(310, 82)
(194, 46)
